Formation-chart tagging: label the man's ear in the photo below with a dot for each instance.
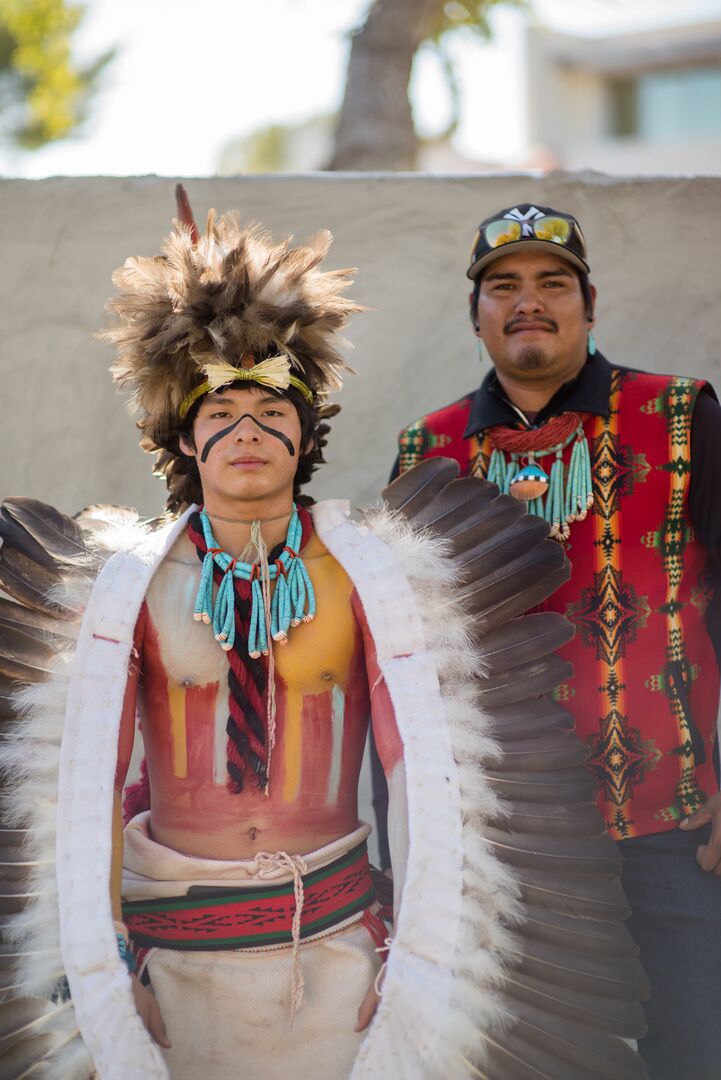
(592, 315)
(474, 315)
(187, 448)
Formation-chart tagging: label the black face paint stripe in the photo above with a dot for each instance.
(216, 438)
(226, 431)
(278, 435)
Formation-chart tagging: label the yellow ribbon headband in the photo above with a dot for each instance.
(273, 372)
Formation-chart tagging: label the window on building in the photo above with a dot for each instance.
(662, 105)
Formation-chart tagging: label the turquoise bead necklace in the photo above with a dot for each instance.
(292, 602)
(561, 498)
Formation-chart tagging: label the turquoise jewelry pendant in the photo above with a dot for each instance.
(561, 496)
(531, 482)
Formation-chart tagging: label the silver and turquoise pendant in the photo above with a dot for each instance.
(531, 482)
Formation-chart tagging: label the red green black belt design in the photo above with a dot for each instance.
(221, 918)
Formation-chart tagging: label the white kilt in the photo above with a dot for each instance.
(228, 1012)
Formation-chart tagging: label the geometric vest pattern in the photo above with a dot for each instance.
(645, 688)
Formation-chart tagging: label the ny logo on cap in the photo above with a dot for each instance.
(525, 219)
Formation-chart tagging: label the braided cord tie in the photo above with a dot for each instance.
(272, 611)
(268, 863)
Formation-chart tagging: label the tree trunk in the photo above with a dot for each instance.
(375, 129)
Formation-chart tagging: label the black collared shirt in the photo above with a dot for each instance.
(588, 392)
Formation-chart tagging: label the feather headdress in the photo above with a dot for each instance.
(227, 296)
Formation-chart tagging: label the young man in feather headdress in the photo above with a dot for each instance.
(256, 637)
(255, 675)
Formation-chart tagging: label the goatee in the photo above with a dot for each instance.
(531, 359)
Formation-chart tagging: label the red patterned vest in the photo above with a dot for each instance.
(645, 690)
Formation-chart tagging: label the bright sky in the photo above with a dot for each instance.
(190, 77)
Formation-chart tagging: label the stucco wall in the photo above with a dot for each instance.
(65, 436)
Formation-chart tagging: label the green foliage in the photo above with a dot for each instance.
(267, 149)
(468, 15)
(44, 94)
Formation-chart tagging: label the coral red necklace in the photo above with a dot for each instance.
(561, 498)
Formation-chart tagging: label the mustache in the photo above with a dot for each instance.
(513, 323)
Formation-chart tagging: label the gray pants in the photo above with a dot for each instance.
(676, 922)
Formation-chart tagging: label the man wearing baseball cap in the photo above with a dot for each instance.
(623, 465)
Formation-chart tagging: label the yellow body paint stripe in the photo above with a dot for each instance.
(179, 748)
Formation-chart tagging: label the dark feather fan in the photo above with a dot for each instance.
(573, 993)
(41, 549)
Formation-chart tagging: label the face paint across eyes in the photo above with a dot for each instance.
(226, 431)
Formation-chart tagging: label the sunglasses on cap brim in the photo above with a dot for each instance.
(554, 229)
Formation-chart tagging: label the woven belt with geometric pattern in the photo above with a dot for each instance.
(237, 918)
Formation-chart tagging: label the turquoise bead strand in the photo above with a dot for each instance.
(293, 600)
(570, 490)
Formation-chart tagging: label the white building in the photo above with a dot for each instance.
(647, 102)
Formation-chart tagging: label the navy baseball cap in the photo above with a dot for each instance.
(527, 227)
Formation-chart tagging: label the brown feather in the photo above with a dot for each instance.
(30, 583)
(12, 842)
(617, 977)
(513, 589)
(13, 667)
(567, 785)
(580, 1046)
(498, 513)
(483, 558)
(592, 898)
(524, 639)
(14, 535)
(515, 1057)
(561, 750)
(13, 900)
(185, 213)
(23, 1058)
(57, 535)
(23, 1018)
(7, 702)
(36, 624)
(553, 818)
(461, 504)
(617, 1017)
(557, 854)
(412, 490)
(589, 935)
(528, 719)
(533, 679)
